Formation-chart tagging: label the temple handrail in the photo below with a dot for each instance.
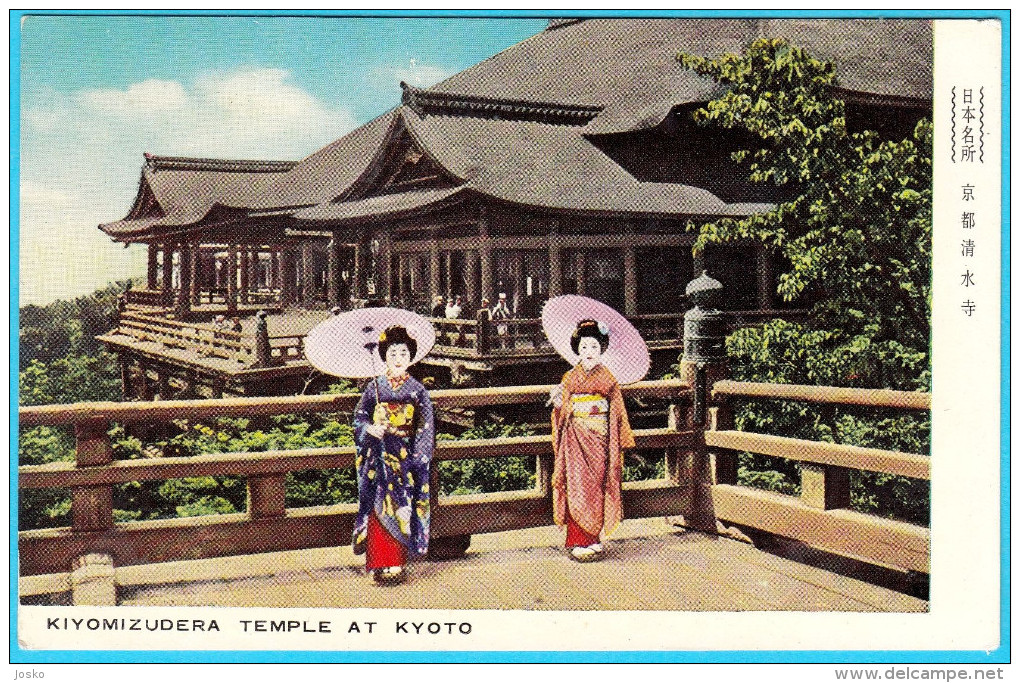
(148, 411)
(875, 398)
(819, 516)
(269, 524)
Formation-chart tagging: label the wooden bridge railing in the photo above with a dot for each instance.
(268, 525)
(821, 516)
(153, 298)
(480, 336)
(700, 484)
(205, 339)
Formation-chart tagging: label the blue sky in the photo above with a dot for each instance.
(97, 92)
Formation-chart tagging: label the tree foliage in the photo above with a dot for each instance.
(856, 235)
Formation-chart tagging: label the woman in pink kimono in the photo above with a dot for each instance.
(590, 430)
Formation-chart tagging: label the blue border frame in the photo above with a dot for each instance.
(998, 656)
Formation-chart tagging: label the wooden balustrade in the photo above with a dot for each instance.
(700, 483)
(153, 298)
(206, 340)
(456, 333)
(268, 524)
(288, 347)
(819, 516)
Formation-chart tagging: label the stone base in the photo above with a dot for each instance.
(93, 580)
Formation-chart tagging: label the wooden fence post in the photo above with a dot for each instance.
(482, 332)
(724, 463)
(824, 486)
(446, 547)
(263, 350)
(92, 506)
(703, 363)
(267, 496)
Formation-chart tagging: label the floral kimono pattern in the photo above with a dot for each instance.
(590, 431)
(393, 473)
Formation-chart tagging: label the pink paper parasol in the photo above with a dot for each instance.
(345, 345)
(627, 356)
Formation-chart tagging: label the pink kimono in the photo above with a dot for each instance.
(589, 430)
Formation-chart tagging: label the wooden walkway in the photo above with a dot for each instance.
(651, 565)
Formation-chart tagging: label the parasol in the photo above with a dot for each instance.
(627, 355)
(345, 345)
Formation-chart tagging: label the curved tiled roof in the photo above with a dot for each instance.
(182, 191)
(629, 66)
(516, 126)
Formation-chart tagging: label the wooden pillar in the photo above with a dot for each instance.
(766, 283)
(168, 267)
(245, 275)
(144, 388)
(397, 288)
(555, 263)
(448, 262)
(471, 275)
(184, 293)
(195, 254)
(153, 266)
(579, 271)
(276, 270)
(232, 278)
(435, 286)
(163, 384)
(267, 496)
(386, 288)
(287, 276)
(630, 285)
(485, 257)
(307, 273)
(92, 506)
(333, 272)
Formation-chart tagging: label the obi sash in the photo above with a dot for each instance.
(591, 411)
(398, 418)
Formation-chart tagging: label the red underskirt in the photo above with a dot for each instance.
(576, 536)
(381, 549)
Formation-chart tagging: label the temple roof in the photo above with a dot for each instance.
(629, 68)
(180, 191)
(517, 127)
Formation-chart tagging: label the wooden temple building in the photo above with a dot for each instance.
(568, 163)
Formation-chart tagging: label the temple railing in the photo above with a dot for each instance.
(203, 339)
(153, 298)
(286, 348)
(481, 337)
(468, 338)
(268, 524)
(700, 481)
(820, 517)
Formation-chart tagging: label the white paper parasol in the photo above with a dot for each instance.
(627, 355)
(345, 345)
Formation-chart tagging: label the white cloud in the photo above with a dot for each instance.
(81, 154)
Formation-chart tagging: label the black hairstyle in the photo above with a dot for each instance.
(396, 334)
(590, 328)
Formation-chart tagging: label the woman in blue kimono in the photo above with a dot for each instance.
(394, 430)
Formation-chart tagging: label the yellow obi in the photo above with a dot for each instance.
(398, 418)
(591, 411)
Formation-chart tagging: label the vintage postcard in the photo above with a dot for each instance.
(671, 337)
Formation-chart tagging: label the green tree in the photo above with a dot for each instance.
(856, 234)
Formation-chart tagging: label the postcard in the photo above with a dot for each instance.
(505, 336)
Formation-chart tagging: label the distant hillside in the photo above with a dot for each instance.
(51, 332)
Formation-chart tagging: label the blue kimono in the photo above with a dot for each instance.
(393, 473)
